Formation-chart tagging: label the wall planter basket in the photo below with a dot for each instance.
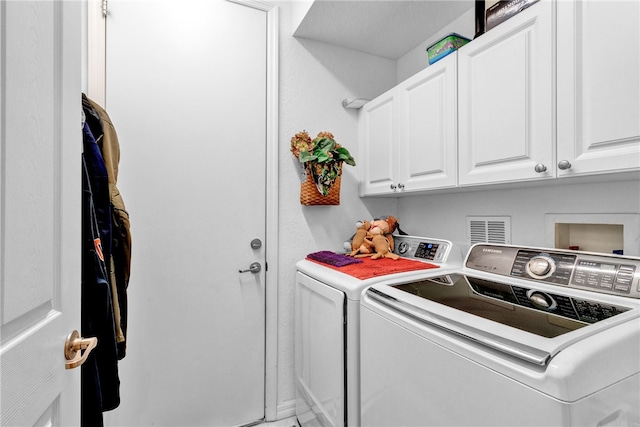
(322, 185)
(322, 160)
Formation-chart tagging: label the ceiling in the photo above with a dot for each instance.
(387, 28)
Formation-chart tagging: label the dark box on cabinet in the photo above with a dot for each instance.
(505, 9)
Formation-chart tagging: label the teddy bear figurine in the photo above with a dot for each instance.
(359, 244)
(381, 238)
(377, 240)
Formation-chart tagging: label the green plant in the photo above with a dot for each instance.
(322, 149)
(321, 158)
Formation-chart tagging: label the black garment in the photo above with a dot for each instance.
(99, 187)
(100, 384)
(92, 118)
(119, 245)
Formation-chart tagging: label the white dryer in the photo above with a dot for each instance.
(327, 329)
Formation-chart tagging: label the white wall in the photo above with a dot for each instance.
(417, 59)
(314, 78)
(444, 215)
(299, 9)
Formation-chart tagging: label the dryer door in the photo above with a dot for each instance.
(319, 353)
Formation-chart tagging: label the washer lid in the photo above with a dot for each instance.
(531, 324)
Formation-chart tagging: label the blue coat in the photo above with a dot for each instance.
(100, 384)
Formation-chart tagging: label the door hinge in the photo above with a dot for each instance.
(105, 10)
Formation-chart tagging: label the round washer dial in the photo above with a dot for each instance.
(540, 267)
(403, 247)
(542, 300)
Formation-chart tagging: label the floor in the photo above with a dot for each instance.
(287, 422)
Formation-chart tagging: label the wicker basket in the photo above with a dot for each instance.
(310, 196)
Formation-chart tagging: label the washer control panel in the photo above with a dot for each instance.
(611, 274)
(547, 266)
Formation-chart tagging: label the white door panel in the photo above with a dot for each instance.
(377, 129)
(320, 353)
(186, 89)
(506, 100)
(40, 192)
(428, 128)
(598, 86)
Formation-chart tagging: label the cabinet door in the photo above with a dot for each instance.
(378, 144)
(427, 131)
(598, 86)
(319, 353)
(506, 100)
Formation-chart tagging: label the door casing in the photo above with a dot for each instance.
(97, 19)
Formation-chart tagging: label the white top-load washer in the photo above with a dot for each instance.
(517, 336)
(327, 332)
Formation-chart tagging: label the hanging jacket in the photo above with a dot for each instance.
(100, 383)
(120, 261)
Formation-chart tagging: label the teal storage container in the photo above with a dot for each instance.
(444, 46)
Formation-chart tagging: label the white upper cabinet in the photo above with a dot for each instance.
(428, 128)
(598, 87)
(409, 134)
(551, 93)
(378, 142)
(506, 100)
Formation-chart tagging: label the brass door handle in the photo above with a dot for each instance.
(72, 349)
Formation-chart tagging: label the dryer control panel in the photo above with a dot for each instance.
(611, 274)
(426, 249)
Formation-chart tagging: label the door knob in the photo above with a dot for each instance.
(73, 347)
(254, 268)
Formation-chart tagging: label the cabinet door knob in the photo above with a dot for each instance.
(563, 165)
(393, 187)
(401, 186)
(540, 168)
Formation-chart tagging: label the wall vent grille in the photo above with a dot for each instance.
(486, 229)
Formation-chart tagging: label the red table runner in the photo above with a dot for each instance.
(369, 268)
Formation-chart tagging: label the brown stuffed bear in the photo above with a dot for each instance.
(382, 248)
(358, 243)
(381, 239)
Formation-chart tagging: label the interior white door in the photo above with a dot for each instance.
(40, 210)
(186, 89)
